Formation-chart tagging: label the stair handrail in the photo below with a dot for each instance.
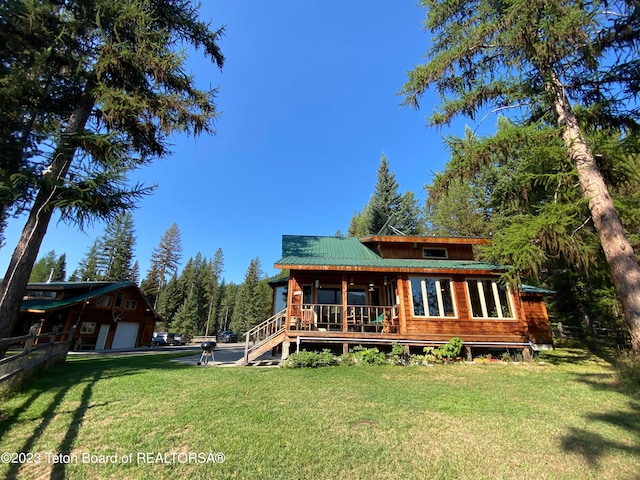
(270, 327)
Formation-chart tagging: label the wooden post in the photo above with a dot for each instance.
(28, 344)
(286, 345)
(469, 354)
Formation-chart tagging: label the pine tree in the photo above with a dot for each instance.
(165, 260)
(385, 200)
(101, 86)
(546, 61)
(88, 267)
(118, 242)
(187, 317)
(359, 225)
(170, 300)
(409, 217)
(48, 268)
(252, 302)
(213, 291)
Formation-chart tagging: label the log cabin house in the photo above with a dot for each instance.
(410, 290)
(106, 315)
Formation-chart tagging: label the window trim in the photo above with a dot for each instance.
(106, 303)
(496, 298)
(119, 300)
(423, 293)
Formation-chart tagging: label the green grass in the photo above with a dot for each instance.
(565, 418)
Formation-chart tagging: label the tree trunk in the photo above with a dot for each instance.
(24, 256)
(625, 271)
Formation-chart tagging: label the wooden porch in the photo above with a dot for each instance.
(323, 318)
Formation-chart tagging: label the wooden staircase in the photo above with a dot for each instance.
(263, 337)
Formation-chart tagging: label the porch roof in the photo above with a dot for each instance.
(348, 253)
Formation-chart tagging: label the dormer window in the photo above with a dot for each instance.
(429, 252)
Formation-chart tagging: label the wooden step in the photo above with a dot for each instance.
(263, 348)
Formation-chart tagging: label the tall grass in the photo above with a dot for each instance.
(566, 417)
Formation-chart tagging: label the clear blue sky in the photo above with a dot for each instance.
(309, 102)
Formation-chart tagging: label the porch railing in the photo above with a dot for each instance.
(263, 332)
(359, 318)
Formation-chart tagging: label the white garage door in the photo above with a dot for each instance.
(126, 333)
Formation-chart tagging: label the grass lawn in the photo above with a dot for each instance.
(147, 417)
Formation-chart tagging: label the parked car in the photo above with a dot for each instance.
(227, 337)
(161, 339)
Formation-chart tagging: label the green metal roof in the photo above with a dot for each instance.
(532, 289)
(315, 251)
(44, 305)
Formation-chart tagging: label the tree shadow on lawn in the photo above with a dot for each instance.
(62, 379)
(577, 356)
(593, 446)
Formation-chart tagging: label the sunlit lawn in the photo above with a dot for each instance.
(155, 418)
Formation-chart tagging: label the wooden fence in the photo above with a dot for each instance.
(32, 353)
(610, 337)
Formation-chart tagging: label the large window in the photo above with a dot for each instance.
(489, 299)
(432, 297)
(329, 296)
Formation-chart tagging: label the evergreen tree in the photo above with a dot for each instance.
(135, 273)
(550, 62)
(118, 242)
(214, 297)
(60, 268)
(170, 300)
(459, 211)
(385, 201)
(88, 266)
(386, 204)
(187, 317)
(359, 225)
(409, 219)
(165, 260)
(228, 294)
(252, 304)
(48, 268)
(93, 90)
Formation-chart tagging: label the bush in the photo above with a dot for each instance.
(305, 359)
(398, 355)
(628, 368)
(448, 351)
(364, 356)
(452, 349)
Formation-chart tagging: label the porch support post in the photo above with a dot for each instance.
(344, 302)
(291, 287)
(286, 345)
(402, 307)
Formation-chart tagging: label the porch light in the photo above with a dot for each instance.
(385, 280)
(317, 284)
(371, 289)
(351, 282)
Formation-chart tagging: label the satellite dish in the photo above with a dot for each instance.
(388, 227)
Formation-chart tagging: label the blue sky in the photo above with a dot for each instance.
(309, 102)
